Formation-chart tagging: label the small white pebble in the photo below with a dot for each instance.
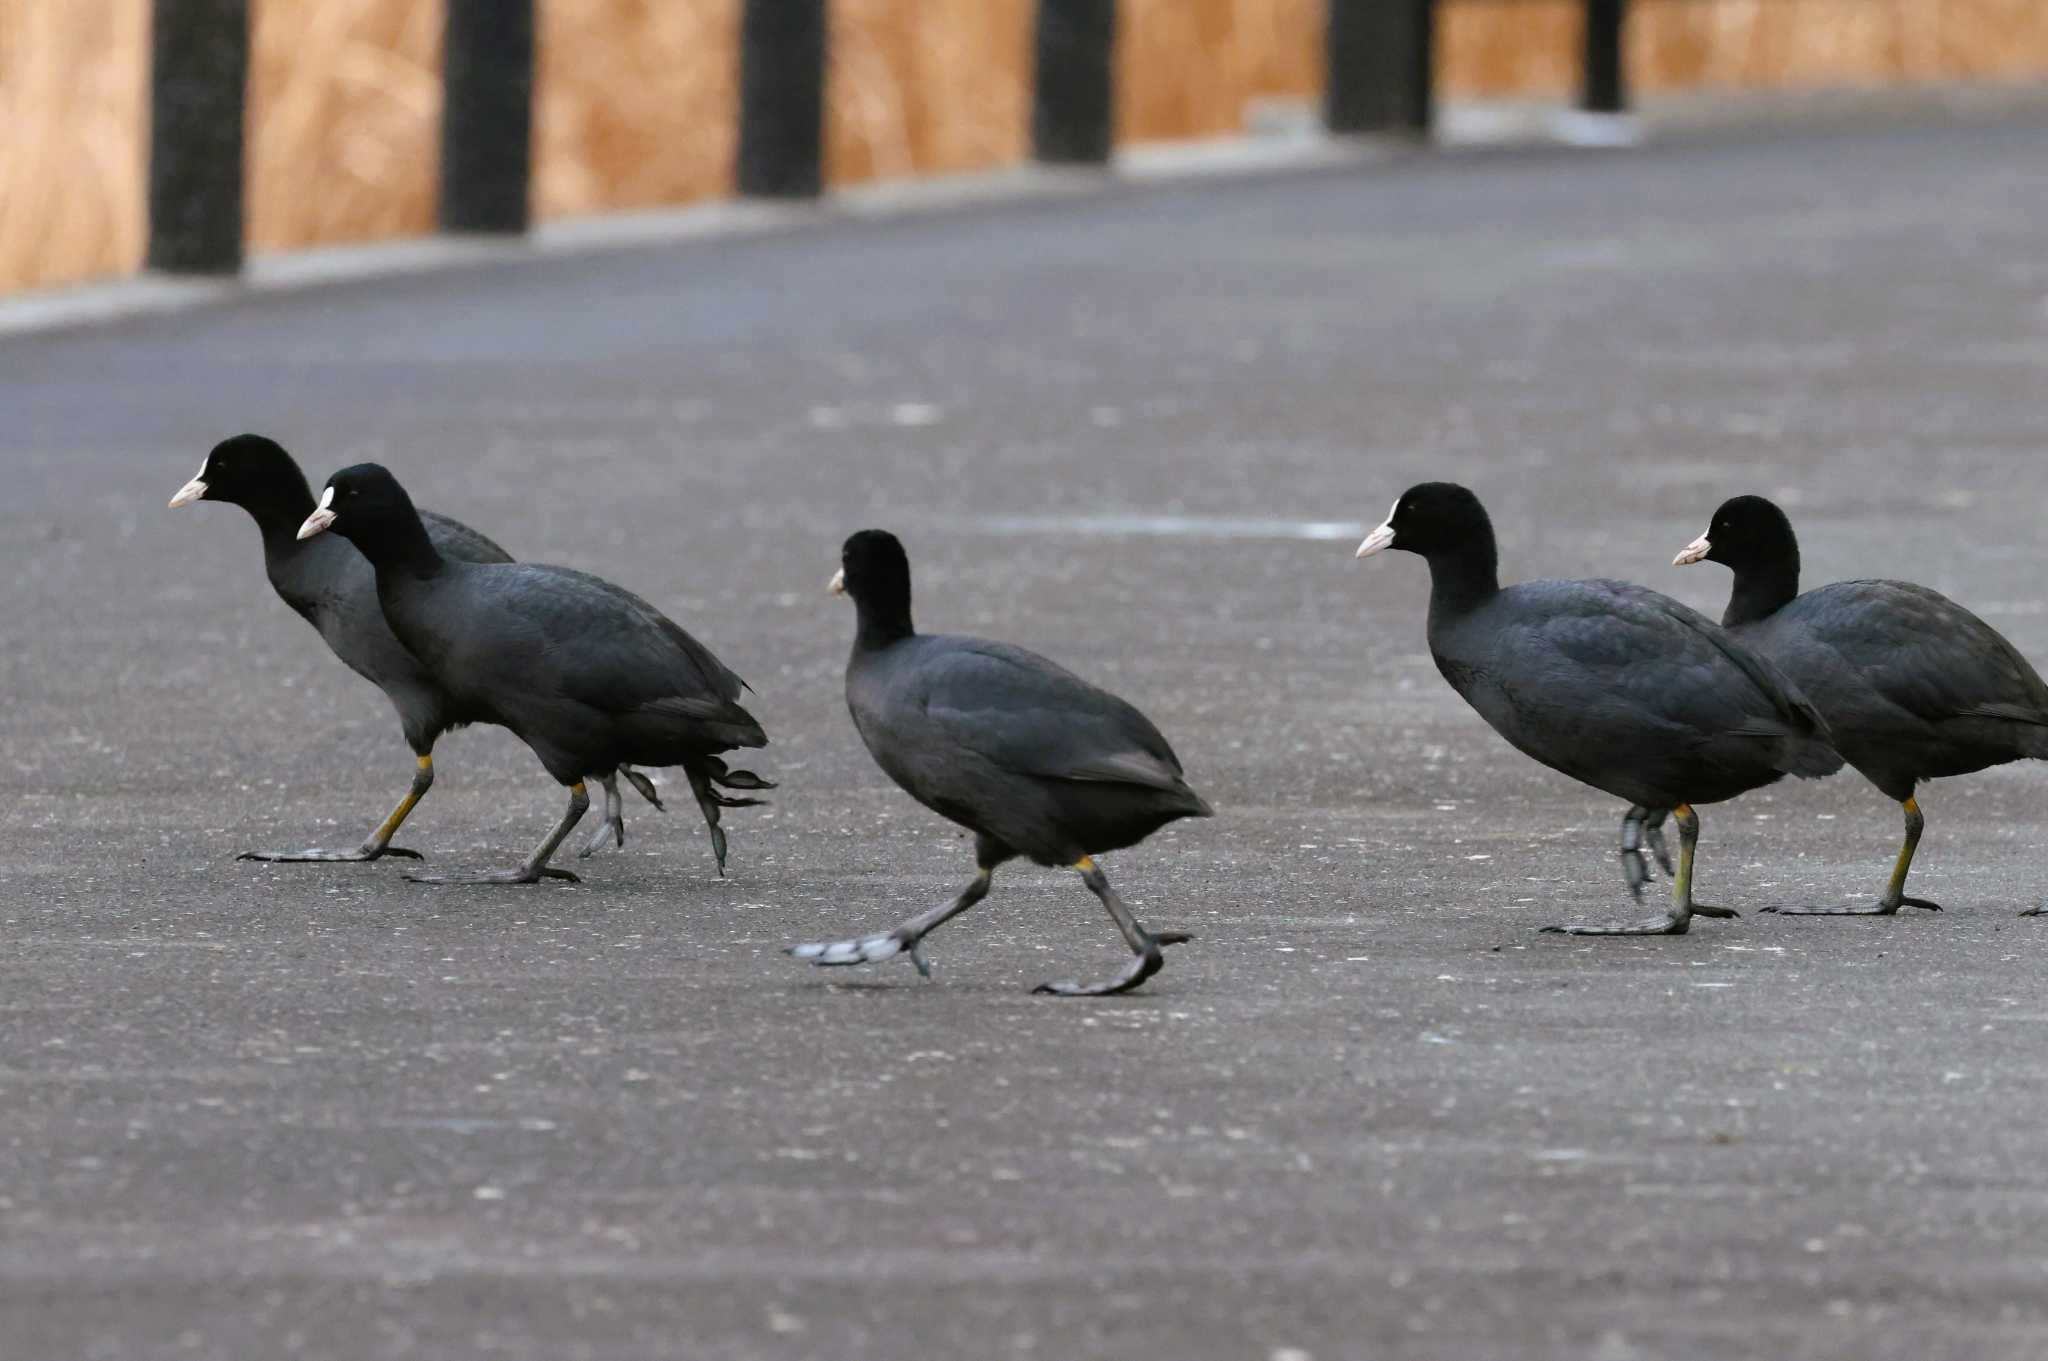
(914, 413)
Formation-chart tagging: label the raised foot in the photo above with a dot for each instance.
(1653, 836)
(1635, 867)
(615, 828)
(519, 876)
(1635, 872)
(2041, 911)
(1141, 967)
(865, 950)
(643, 785)
(1649, 926)
(314, 855)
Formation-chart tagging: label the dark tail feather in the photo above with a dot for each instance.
(1810, 758)
(1799, 741)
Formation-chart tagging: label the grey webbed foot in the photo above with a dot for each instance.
(1642, 826)
(1878, 909)
(1653, 835)
(1635, 872)
(644, 787)
(612, 824)
(1141, 967)
(535, 867)
(1669, 925)
(864, 950)
(314, 855)
(703, 775)
(608, 829)
(522, 875)
(905, 938)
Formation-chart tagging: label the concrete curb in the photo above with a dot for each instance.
(1290, 139)
(152, 294)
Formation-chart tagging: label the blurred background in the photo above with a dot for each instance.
(636, 99)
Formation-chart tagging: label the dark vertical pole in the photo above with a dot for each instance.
(486, 115)
(782, 98)
(1421, 82)
(1606, 83)
(199, 72)
(1071, 108)
(1380, 65)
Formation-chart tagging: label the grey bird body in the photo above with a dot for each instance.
(1021, 750)
(1610, 683)
(1913, 686)
(1628, 691)
(1032, 759)
(334, 588)
(590, 676)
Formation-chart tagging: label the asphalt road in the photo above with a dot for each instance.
(262, 1111)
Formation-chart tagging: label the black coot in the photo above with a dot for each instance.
(335, 590)
(1612, 684)
(1028, 756)
(589, 676)
(1913, 686)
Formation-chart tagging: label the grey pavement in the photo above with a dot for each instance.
(253, 1111)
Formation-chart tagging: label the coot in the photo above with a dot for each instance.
(589, 675)
(1026, 755)
(1913, 686)
(1612, 684)
(334, 589)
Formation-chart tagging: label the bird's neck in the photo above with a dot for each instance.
(1760, 592)
(279, 513)
(1462, 581)
(880, 626)
(402, 550)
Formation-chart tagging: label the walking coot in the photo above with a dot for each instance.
(335, 590)
(1026, 755)
(1913, 686)
(589, 675)
(1612, 684)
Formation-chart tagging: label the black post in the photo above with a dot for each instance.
(782, 98)
(1421, 65)
(1606, 83)
(1380, 65)
(1071, 110)
(486, 115)
(199, 71)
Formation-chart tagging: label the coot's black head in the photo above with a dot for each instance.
(366, 506)
(1746, 532)
(1434, 519)
(875, 571)
(252, 472)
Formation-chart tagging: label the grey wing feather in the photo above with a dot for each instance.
(1610, 659)
(1701, 644)
(457, 540)
(1028, 715)
(1939, 662)
(620, 654)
